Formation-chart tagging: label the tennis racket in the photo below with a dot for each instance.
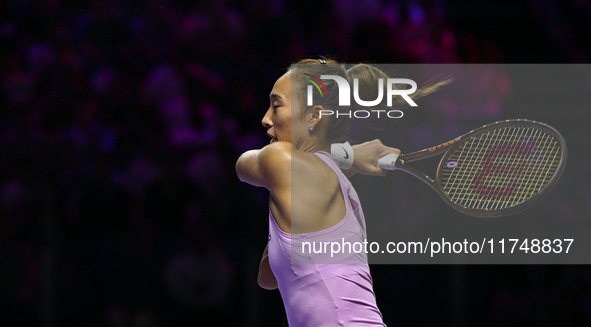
(496, 170)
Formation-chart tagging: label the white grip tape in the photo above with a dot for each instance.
(388, 161)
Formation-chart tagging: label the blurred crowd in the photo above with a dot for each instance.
(120, 125)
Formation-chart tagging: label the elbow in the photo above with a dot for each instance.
(240, 169)
(237, 168)
(245, 166)
(266, 277)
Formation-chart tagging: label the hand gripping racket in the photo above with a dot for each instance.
(496, 170)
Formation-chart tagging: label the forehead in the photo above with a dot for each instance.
(282, 87)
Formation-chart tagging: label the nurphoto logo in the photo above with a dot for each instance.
(345, 95)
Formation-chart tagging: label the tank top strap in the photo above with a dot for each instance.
(331, 161)
(352, 199)
(346, 186)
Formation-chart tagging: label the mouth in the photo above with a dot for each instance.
(273, 139)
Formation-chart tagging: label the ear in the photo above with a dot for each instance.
(315, 115)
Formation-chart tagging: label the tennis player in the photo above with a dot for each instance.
(311, 198)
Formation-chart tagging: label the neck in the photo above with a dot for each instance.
(313, 145)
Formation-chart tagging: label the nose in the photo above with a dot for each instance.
(267, 122)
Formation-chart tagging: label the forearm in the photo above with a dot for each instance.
(361, 158)
(266, 278)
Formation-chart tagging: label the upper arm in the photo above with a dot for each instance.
(269, 167)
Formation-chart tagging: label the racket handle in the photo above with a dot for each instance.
(388, 162)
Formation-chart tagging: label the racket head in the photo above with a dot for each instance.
(501, 168)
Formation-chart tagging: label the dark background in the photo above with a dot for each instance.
(121, 121)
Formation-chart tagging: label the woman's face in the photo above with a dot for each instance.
(278, 120)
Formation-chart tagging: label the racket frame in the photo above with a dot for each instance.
(449, 147)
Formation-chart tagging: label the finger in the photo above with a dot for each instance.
(394, 150)
(383, 172)
(387, 150)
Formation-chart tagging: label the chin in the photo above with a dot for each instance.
(276, 140)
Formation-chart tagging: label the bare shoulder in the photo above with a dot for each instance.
(316, 201)
(278, 164)
(276, 157)
(309, 163)
(309, 172)
(284, 165)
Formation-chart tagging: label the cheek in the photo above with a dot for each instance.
(285, 127)
(285, 121)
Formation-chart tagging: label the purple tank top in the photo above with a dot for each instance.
(320, 290)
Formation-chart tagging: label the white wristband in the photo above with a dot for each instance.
(343, 152)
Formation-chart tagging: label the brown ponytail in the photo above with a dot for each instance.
(367, 76)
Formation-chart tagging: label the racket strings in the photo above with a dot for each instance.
(500, 187)
(477, 144)
(526, 151)
(502, 176)
(523, 192)
(501, 168)
(519, 176)
(542, 174)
